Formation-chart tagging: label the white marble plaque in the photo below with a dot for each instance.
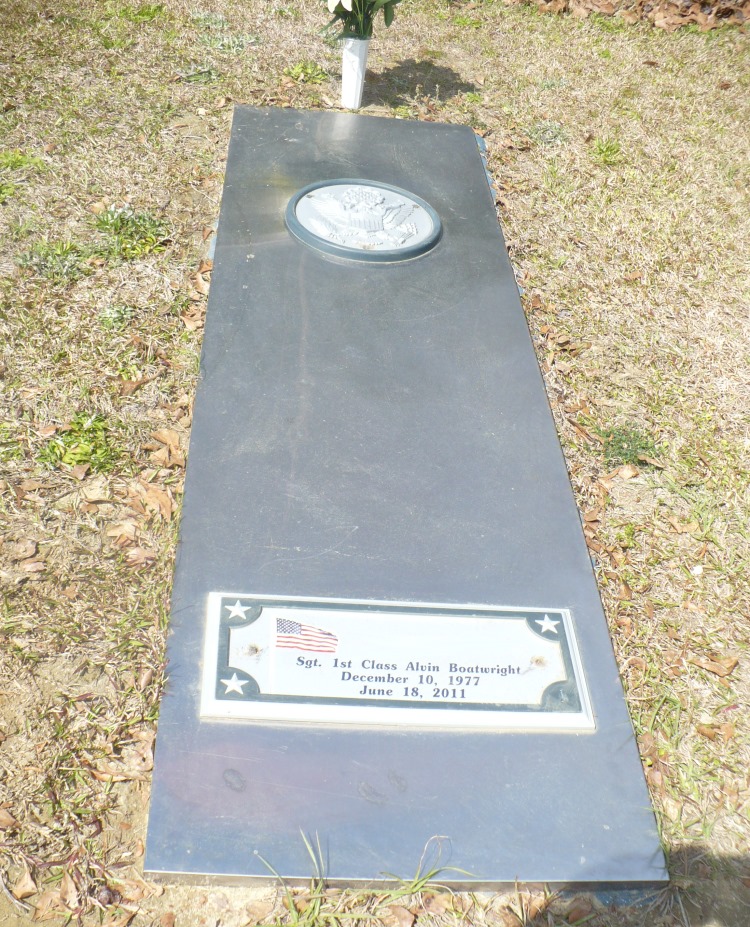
(396, 664)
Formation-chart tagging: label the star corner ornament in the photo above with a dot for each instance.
(547, 624)
(237, 610)
(234, 684)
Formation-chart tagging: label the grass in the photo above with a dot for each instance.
(627, 445)
(146, 13)
(7, 189)
(306, 72)
(86, 441)
(59, 261)
(619, 154)
(131, 234)
(607, 151)
(19, 160)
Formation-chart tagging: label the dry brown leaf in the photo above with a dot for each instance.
(123, 532)
(628, 472)
(157, 500)
(167, 919)
(193, 318)
(402, 916)
(123, 917)
(167, 436)
(160, 458)
(47, 906)
(259, 910)
(579, 909)
(108, 772)
(135, 502)
(437, 904)
(139, 557)
(21, 550)
(7, 820)
(720, 666)
(624, 593)
(68, 891)
(655, 779)
(96, 490)
(25, 886)
(201, 284)
(79, 471)
(133, 889)
(504, 917)
(138, 760)
(726, 729)
(707, 730)
(128, 387)
(659, 464)
(682, 528)
(33, 566)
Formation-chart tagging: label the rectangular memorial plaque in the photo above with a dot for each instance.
(371, 435)
(432, 666)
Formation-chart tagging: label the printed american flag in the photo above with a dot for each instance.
(295, 636)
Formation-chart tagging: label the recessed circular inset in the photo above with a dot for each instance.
(363, 220)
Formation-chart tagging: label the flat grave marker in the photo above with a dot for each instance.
(385, 622)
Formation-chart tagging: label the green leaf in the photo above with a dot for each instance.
(388, 12)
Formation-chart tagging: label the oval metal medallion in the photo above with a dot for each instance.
(363, 220)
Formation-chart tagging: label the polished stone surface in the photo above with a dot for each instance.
(379, 433)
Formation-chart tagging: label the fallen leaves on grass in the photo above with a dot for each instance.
(7, 820)
(167, 453)
(68, 891)
(579, 911)
(437, 904)
(21, 550)
(145, 497)
(139, 557)
(128, 387)
(136, 762)
(712, 732)
(719, 666)
(123, 917)
(256, 911)
(399, 916)
(123, 532)
(48, 905)
(668, 15)
(24, 886)
(194, 317)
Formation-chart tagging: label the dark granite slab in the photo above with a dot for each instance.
(381, 432)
